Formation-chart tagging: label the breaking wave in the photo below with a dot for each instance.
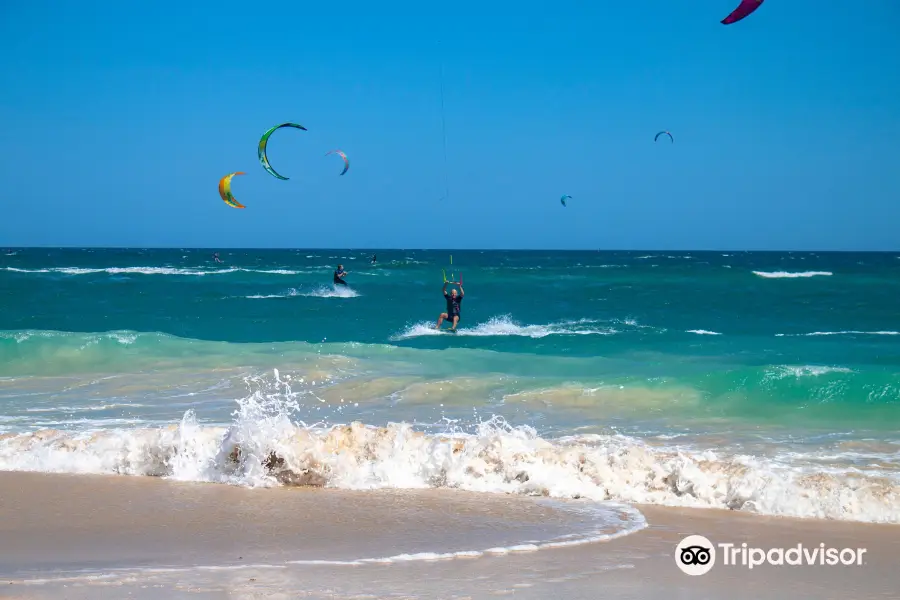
(506, 326)
(789, 275)
(264, 446)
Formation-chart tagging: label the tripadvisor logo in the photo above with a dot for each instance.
(697, 555)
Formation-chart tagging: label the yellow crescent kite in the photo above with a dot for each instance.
(225, 191)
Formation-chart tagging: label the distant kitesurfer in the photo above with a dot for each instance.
(453, 302)
(339, 275)
(216, 257)
(373, 259)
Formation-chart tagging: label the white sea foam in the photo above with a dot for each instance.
(264, 446)
(791, 275)
(505, 326)
(90, 407)
(852, 332)
(703, 332)
(785, 371)
(324, 291)
(124, 338)
(330, 291)
(289, 293)
(153, 271)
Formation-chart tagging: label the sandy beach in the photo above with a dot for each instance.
(67, 536)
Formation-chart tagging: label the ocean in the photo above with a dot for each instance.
(760, 382)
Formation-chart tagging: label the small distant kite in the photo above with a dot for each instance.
(225, 191)
(342, 155)
(563, 199)
(664, 133)
(744, 9)
(263, 159)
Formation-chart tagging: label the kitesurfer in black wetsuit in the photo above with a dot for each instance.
(339, 276)
(453, 302)
(216, 257)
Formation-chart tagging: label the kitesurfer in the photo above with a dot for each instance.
(216, 257)
(453, 302)
(373, 259)
(339, 275)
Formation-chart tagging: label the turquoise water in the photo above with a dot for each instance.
(758, 381)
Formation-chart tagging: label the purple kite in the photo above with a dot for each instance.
(744, 8)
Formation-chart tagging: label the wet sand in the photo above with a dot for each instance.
(64, 536)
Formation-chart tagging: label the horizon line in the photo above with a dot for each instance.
(386, 249)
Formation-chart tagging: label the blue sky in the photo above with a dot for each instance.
(119, 119)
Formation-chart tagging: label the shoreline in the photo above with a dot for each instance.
(154, 538)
